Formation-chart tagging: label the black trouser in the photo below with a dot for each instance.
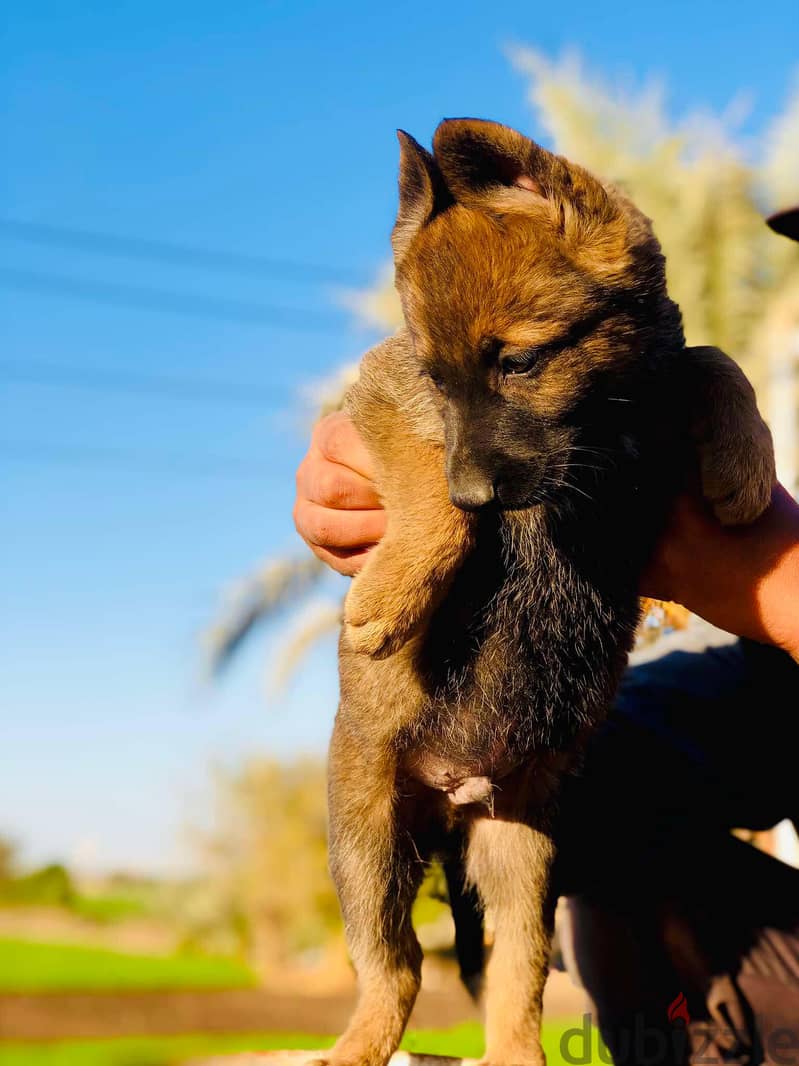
(672, 918)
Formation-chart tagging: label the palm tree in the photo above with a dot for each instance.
(278, 584)
(706, 192)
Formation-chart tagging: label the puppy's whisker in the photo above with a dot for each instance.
(576, 488)
(580, 466)
(595, 449)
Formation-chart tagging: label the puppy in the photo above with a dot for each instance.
(530, 429)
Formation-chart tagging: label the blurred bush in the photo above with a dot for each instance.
(50, 886)
(8, 856)
(268, 890)
(268, 884)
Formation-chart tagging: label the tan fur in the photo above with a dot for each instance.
(499, 247)
(736, 455)
(399, 585)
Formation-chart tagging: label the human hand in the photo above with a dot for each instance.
(744, 579)
(337, 510)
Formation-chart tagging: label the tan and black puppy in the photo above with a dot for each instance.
(529, 430)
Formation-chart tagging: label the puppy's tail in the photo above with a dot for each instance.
(467, 913)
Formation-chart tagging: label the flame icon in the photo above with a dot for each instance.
(678, 1010)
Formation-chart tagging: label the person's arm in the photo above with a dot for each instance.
(743, 579)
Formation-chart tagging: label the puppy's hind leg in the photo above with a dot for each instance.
(510, 862)
(377, 873)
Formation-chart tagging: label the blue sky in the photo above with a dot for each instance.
(259, 128)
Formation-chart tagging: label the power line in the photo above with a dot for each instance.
(221, 393)
(114, 244)
(143, 298)
(198, 465)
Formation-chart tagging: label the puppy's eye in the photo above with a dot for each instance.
(434, 378)
(521, 362)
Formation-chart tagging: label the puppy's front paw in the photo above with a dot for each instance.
(375, 639)
(368, 1056)
(738, 475)
(529, 1058)
(330, 1061)
(377, 618)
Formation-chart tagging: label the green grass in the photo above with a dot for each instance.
(147, 1051)
(428, 909)
(109, 908)
(463, 1040)
(27, 966)
(52, 886)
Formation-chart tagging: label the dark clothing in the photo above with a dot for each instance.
(665, 903)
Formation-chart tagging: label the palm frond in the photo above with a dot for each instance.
(379, 305)
(250, 600)
(780, 174)
(317, 620)
(327, 394)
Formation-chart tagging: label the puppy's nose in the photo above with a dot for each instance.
(470, 494)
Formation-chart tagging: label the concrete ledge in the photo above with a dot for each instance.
(297, 1058)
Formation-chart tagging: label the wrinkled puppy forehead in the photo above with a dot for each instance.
(493, 231)
(471, 276)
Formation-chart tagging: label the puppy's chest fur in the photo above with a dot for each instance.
(524, 650)
(524, 653)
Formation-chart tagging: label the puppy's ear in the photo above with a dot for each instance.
(422, 193)
(490, 166)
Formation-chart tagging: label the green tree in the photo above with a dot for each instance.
(8, 852)
(267, 861)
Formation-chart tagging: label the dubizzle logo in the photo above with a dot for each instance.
(678, 1010)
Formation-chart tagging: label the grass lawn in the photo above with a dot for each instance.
(465, 1040)
(27, 966)
(108, 908)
